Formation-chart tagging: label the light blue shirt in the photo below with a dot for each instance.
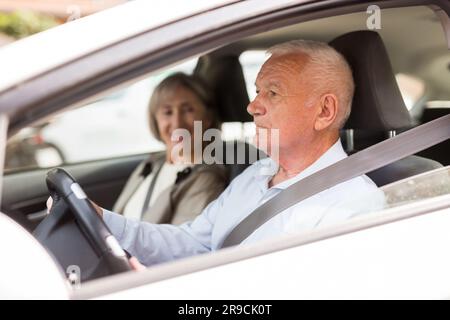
(152, 243)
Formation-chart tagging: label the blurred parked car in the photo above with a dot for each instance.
(29, 150)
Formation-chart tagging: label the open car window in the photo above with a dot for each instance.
(113, 126)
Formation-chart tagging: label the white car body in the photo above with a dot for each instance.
(351, 266)
(20, 279)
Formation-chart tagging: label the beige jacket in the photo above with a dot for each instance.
(184, 200)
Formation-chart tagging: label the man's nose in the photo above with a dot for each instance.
(256, 108)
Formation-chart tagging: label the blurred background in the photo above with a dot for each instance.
(21, 18)
(113, 126)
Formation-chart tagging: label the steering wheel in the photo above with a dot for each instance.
(76, 235)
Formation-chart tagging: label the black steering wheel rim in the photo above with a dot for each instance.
(63, 187)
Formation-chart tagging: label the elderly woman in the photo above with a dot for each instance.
(167, 190)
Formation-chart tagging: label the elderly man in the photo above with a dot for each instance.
(304, 90)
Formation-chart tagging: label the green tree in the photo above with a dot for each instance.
(21, 24)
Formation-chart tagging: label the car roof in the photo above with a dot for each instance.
(72, 40)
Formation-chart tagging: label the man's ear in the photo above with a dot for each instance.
(328, 109)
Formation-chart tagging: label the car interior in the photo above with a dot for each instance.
(378, 108)
(411, 41)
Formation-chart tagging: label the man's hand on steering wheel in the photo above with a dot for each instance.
(135, 264)
(63, 187)
(97, 208)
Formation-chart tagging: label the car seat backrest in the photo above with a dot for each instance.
(378, 106)
(224, 75)
(238, 155)
(439, 152)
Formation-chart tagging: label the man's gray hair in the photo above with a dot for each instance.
(327, 69)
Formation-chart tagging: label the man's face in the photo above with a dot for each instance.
(282, 94)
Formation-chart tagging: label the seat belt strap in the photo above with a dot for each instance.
(146, 203)
(367, 160)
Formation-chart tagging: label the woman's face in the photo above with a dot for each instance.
(178, 109)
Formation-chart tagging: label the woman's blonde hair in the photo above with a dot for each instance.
(192, 83)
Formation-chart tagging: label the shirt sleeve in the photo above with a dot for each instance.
(156, 243)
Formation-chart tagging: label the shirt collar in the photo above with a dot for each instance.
(268, 167)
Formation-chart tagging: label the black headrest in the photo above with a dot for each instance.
(223, 74)
(378, 104)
